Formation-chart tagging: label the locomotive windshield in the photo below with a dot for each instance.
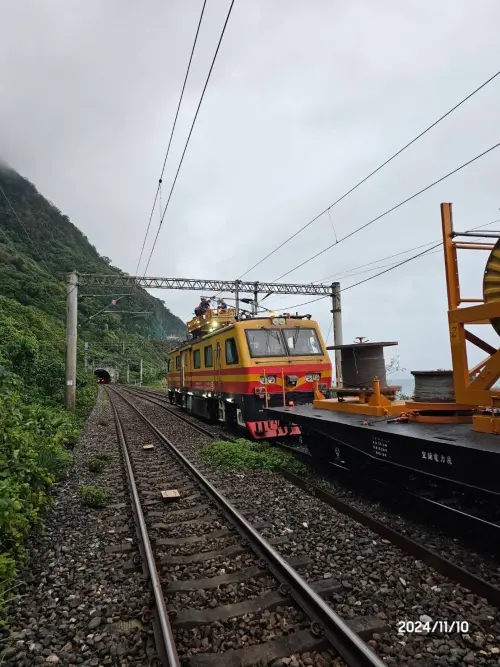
(302, 342)
(265, 343)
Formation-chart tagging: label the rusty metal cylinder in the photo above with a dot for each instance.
(361, 363)
(434, 387)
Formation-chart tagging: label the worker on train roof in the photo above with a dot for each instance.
(203, 307)
(221, 304)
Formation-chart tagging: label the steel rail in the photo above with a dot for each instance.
(442, 565)
(162, 403)
(168, 650)
(351, 647)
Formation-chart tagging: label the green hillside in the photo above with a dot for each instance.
(38, 246)
(33, 272)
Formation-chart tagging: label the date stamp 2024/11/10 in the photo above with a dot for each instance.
(430, 627)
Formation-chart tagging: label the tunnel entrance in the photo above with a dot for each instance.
(103, 375)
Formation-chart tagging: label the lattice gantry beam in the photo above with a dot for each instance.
(205, 286)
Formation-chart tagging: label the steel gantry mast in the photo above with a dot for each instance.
(202, 285)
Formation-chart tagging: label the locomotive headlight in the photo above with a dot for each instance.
(263, 379)
(275, 321)
(271, 379)
(309, 377)
(315, 376)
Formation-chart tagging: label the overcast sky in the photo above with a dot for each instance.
(305, 99)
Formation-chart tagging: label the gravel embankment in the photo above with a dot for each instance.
(79, 606)
(376, 577)
(486, 566)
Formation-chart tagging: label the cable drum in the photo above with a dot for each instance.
(361, 363)
(434, 387)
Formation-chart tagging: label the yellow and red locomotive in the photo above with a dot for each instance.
(233, 369)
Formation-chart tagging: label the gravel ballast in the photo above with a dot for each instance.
(78, 604)
(224, 604)
(376, 577)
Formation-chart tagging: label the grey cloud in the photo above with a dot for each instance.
(305, 99)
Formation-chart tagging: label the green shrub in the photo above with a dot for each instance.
(7, 575)
(243, 454)
(96, 465)
(32, 457)
(104, 456)
(95, 496)
(98, 462)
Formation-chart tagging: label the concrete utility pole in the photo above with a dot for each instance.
(337, 330)
(71, 327)
(86, 355)
(140, 375)
(128, 373)
(237, 296)
(255, 298)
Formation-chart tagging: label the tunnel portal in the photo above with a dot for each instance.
(103, 375)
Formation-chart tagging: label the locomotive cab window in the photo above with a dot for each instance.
(231, 351)
(178, 362)
(302, 342)
(265, 343)
(196, 359)
(208, 357)
(169, 365)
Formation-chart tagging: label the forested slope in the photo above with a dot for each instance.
(33, 272)
(38, 246)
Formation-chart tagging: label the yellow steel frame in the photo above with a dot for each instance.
(472, 386)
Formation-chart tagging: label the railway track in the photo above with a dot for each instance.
(475, 526)
(441, 564)
(452, 514)
(287, 508)
(217, 581)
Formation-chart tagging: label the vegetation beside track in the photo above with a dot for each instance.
(95, 496)
(244, 454)
(36, 433)
(38, 245)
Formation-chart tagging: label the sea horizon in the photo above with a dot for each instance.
(407, 384)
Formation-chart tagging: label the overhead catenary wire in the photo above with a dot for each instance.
(190, 132)
(401, 150)
(396, 254)
(390, 210)
(348, 273)
(404, 261)
(428, 251)
(351, 274)
(328, 296)
(160, 180)
(103, 309)
(375, 261)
